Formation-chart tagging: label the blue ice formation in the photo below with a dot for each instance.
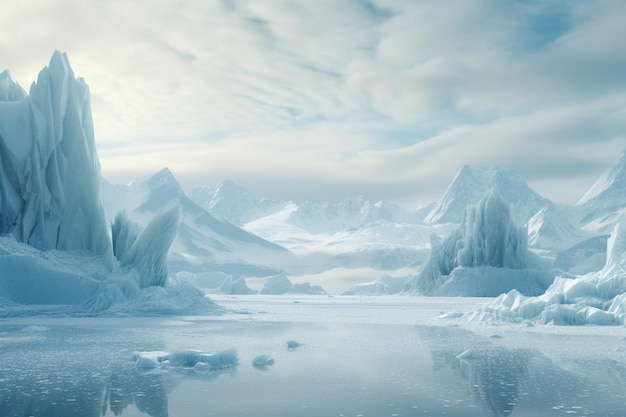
(486, 256)
(55, 246)
(49, 170)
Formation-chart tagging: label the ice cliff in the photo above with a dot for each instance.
(484, 257)
(49, 171)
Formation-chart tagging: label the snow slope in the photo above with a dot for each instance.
(351, 213)
(553, 227)
(339, 260)
(233, 203)
(604, 203)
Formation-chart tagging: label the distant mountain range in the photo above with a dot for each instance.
(225, 228)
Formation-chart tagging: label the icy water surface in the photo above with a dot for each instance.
(82, 367)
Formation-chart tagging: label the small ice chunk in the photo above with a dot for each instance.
(467, 355)
(450, 315)
(188, 358)
(202, 367)
(148, 360)
(262, 361)
(292, 345)
(495, 336)
(34, 328)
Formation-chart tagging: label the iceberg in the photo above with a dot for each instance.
(280, 284)
(146, 251)
(385, 285)
(487, 255)
(262, 361)
(235, 286)
(50, 173)
(55, 246)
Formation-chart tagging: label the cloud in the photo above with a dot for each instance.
(384, 98)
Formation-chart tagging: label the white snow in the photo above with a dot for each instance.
(605, 201)
(385, 285)
(553, 227)
(233, 203)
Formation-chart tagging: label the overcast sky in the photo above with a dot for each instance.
(323, 99)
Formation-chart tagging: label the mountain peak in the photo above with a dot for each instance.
(610, 185)
(232, 202)
(471, 184)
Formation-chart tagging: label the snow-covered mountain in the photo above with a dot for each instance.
(603, 204)
(470, 185)
(351, 213)
(553, 228)
(231, 202)
(204, 243)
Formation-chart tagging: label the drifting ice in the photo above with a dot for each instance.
(187, 358)
(596, 298)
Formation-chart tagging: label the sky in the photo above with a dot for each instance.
(319, 100)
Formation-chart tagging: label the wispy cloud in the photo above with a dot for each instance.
(322, 99)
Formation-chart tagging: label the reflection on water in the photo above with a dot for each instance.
(341, 369)
(501, 380)
(494, 378)
(147, 391)
(493, 374)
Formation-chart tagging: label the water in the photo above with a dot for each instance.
(81, 367)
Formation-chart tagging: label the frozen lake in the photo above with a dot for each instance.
(387, 356)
